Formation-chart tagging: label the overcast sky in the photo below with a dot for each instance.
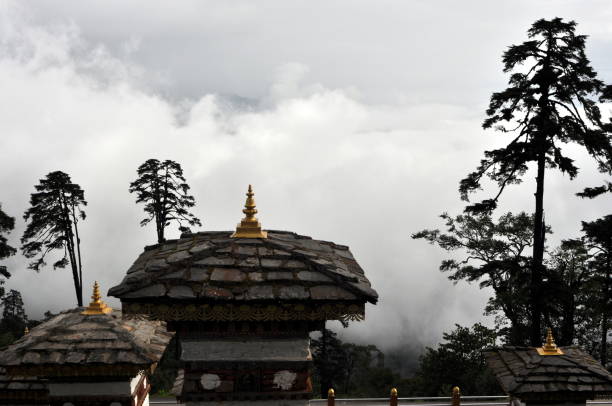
(353, 120)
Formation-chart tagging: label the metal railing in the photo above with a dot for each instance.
(454, 400)
(393, 400)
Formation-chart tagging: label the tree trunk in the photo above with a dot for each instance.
(538, 254)
(539, 234)
(606, 303)
(567, 326)
(78, 247)
(325, 381)
(70, 248)
(157, 210)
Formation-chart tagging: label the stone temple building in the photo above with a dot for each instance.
(549, 375)
(242, 305)
(84, 357)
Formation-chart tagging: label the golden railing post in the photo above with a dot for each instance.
(393, 400)
(331, 397)
(456, 396)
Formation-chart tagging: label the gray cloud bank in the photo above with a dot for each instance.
(354, 121)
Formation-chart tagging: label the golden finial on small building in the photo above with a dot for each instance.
(249, 227)
(97, 306)
(393, 400)
(26, 331)
(331, 397)
(456, 399)
(549, 347)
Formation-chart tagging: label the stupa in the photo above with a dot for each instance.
(243, 304)
(549, 375)
(88, 356)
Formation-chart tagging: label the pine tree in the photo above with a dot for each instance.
(14, 319)
(568, 276)
(13, 307)
(329, 359)
(52, 224)
(7, 223)
(163, 189)
(550, 101)
(598, 238)
(496, 257)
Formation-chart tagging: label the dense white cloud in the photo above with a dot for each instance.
(354, 124)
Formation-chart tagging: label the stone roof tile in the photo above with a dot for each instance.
(72, 338)
(217, 267)
(522, 372)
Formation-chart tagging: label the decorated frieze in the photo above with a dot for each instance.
(245, 312)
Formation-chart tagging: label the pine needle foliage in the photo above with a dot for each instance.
(52, 224)
(7, 224)
(163, 189)
(551, 100)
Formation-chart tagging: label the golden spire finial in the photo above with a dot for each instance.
(393, 397)
(549, 347)
(97, 306)
(249, 227)
(456, 398)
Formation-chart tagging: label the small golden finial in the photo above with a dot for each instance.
(249, 227)
(26, 331)
(549, 347)
(456, 399)
(331, 397)
(393, 400)
(97, 306)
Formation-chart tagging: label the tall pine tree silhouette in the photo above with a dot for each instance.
(52, 224)
(7, 223)
(550, 101)
(163, 189)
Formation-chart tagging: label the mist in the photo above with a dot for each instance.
(354, 123)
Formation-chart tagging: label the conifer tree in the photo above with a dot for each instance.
(7, 223)
(550, 101)
(329, 360)
(161, 186)
(14, 319)
(495, 255)
(598, 238)
(13, 307)
(52, 224)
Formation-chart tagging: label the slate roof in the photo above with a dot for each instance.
(73, 340)
(522, 372)
(212, 266)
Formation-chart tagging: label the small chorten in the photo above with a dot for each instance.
(26, 331)
(549, 347)
(568, 378)
(88, 357)
(249, 227)
(97, 306)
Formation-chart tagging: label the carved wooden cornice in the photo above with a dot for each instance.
(76, 370)
(233, 312)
